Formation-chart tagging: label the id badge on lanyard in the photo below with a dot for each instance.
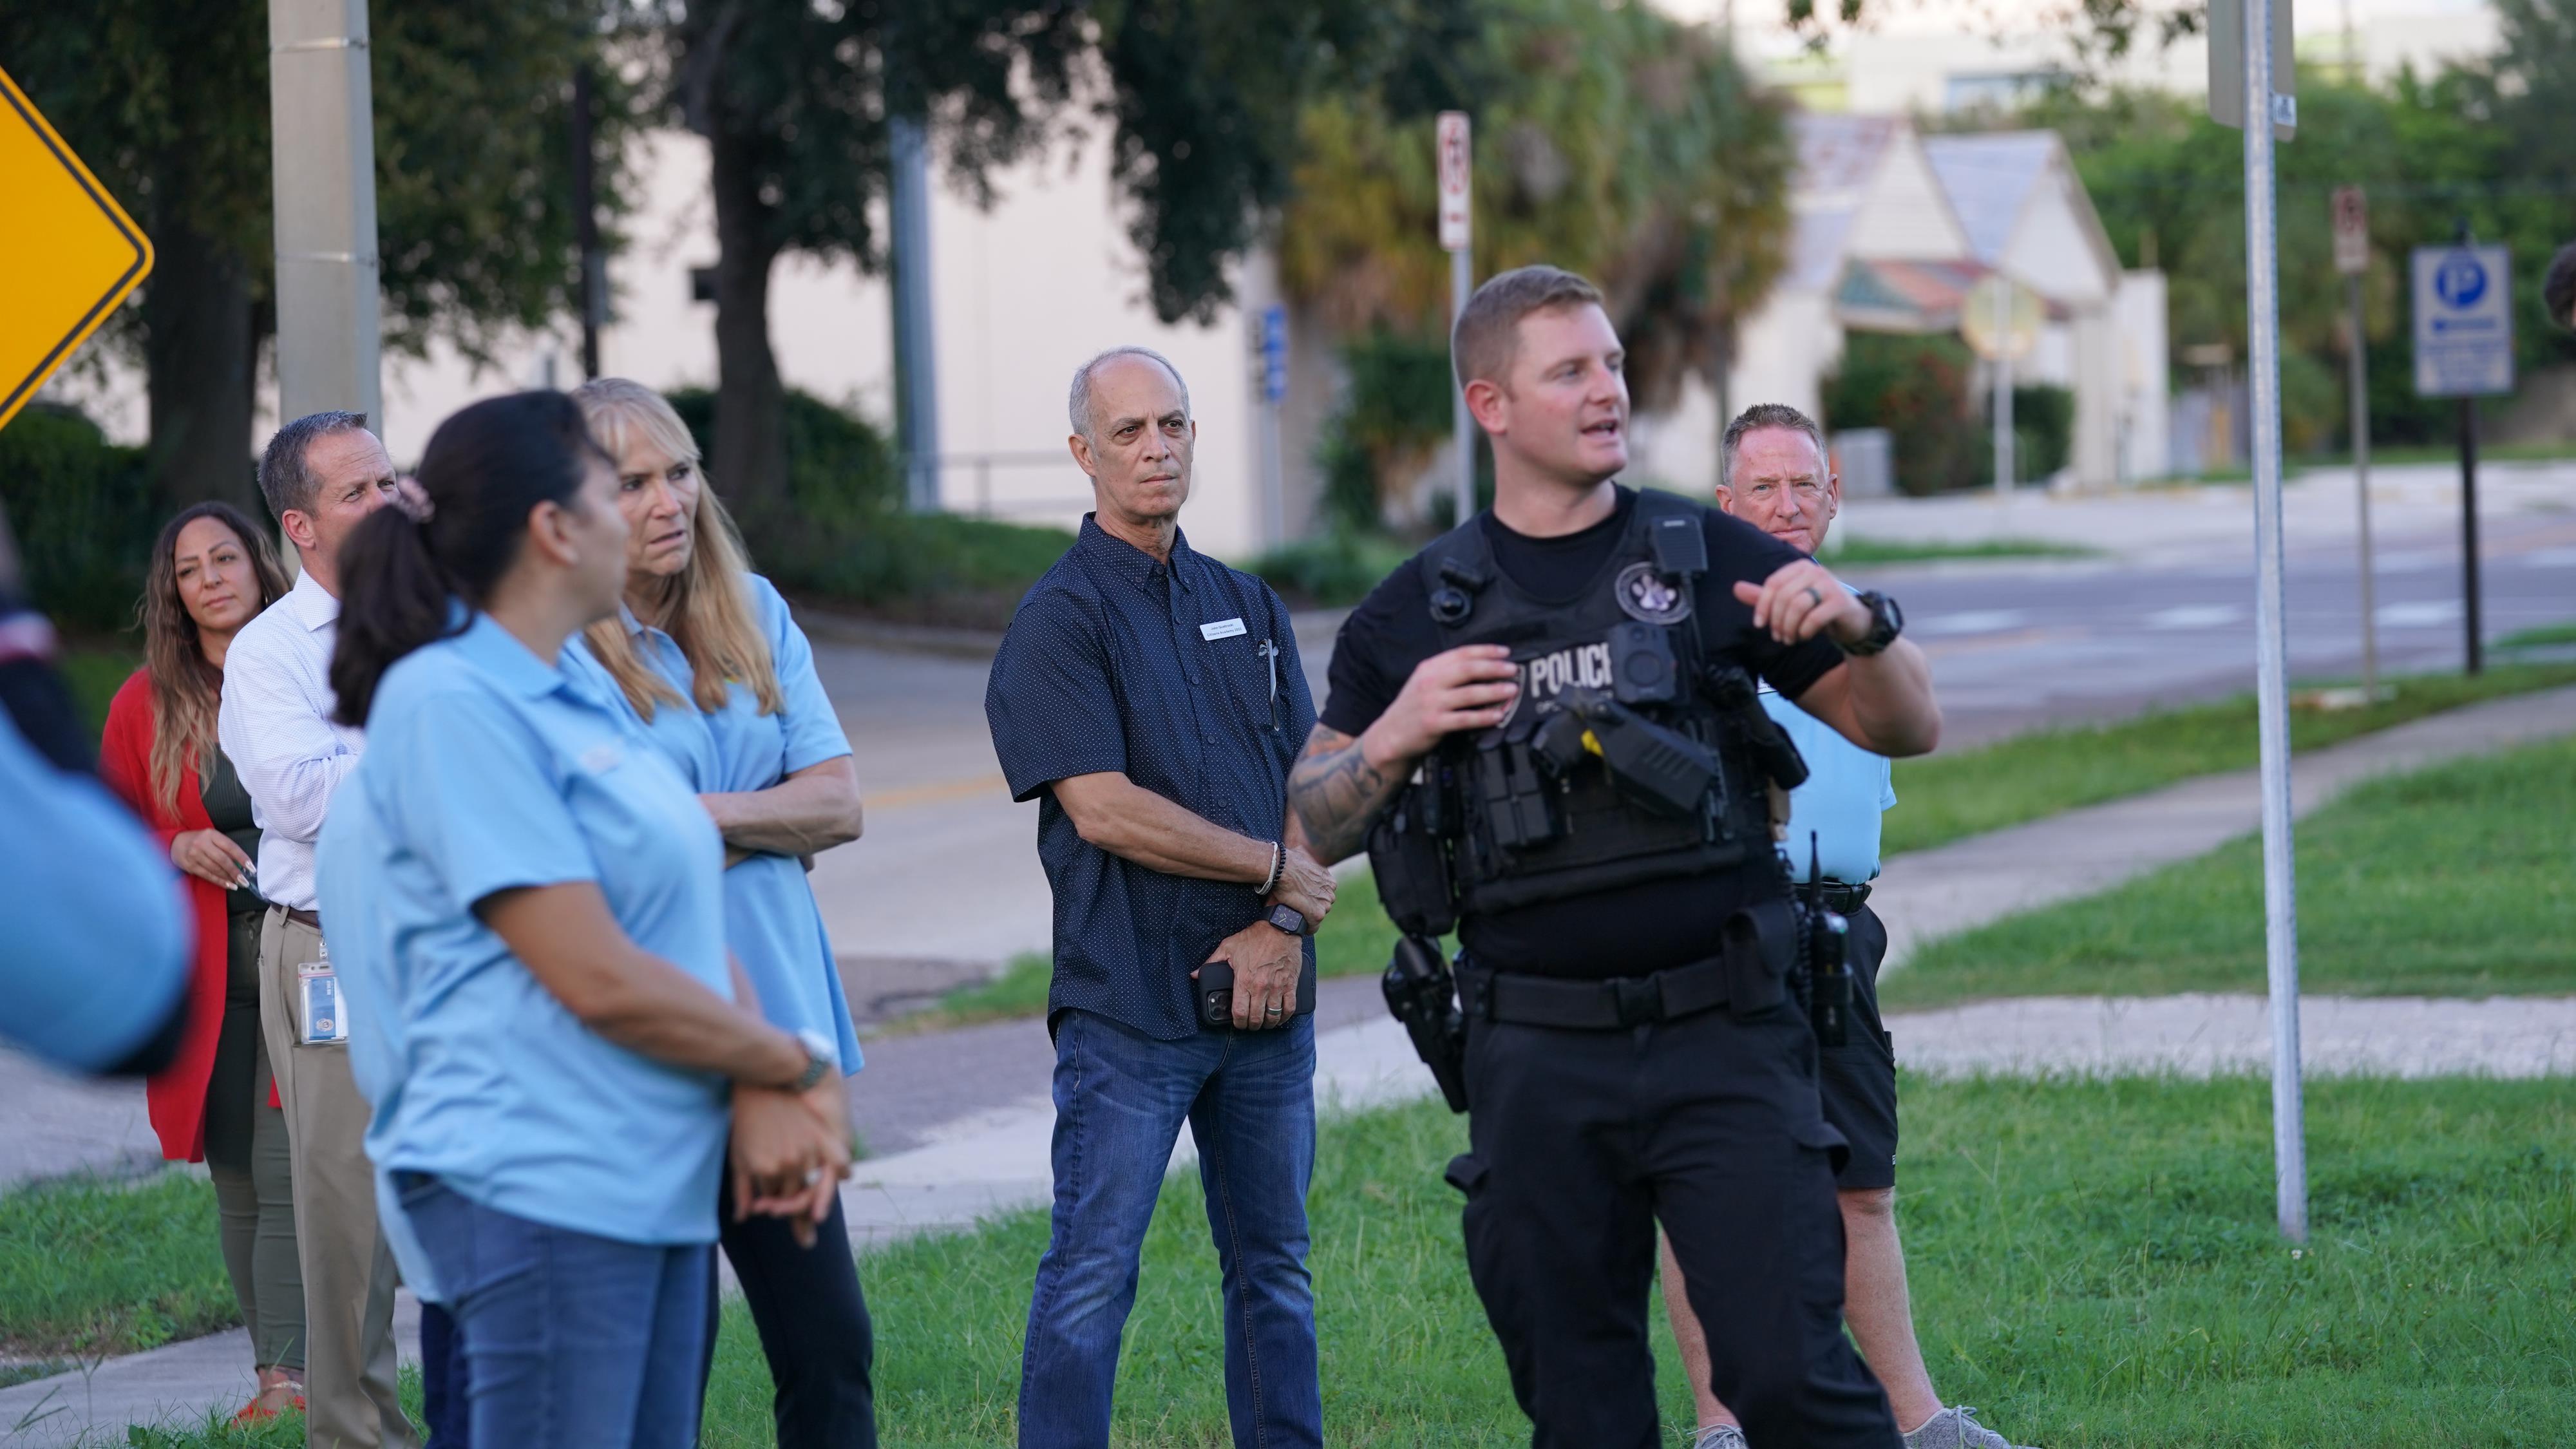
(325, 1021)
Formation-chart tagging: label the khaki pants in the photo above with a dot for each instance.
(349, 1371)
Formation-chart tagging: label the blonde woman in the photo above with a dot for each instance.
(705, 653)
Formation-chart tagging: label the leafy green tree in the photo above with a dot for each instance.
(1198, 99)
(168, 102)
(1609, 139)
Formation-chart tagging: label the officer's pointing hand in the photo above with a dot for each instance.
(1467, 688)
(1804, 599)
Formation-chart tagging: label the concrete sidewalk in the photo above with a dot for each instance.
(997, 1161)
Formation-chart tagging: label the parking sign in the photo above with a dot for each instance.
(2463, 321)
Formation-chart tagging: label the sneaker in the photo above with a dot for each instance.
(1719, 1436)
(1956, 1428)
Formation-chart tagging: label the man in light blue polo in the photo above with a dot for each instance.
(1774, 475)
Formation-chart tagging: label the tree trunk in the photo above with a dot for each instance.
(750, 462)
(198, 350)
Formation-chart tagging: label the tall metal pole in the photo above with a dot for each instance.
(916, 377)
(1462, 284)
(2272, 705)
(585, 223)
(2358, 365)
(323, 150)
(2469, 532)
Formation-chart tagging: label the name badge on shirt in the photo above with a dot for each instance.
(1223, 629)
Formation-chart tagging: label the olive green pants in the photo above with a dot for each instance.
(349, 1274)
(254, 1174)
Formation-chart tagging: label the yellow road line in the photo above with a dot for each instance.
(936, 792)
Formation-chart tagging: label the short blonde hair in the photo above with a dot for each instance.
(1487, 339)
(707, 607)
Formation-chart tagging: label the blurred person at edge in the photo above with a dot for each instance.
(527, 901)
(211, 571)
(705, 655)
(110, 900)
(322, 474)
(1773, 473)
(2558, 287)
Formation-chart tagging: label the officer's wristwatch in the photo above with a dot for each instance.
(822, 1057)
(1886, 622)
(1289, 919)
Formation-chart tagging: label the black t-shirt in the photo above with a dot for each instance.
(1635, 929)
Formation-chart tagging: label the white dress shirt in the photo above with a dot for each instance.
(275, 726)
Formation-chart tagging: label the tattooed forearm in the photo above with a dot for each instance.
(1337, 793)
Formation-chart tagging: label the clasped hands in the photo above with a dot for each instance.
(790, 1152)
(1266, 960)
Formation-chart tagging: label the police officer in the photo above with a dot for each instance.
(1543, 727)
(1773, 474)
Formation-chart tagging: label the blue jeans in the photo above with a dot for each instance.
(1120, 1098)
(571, 1341)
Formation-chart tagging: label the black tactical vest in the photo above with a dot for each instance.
(1618, 763)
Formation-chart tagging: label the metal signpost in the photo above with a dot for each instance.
(1456, 158)
(2352, 259)
(69, 251)
(2000, 323)
(2464, 349)
(2257, 30)
(916, 366)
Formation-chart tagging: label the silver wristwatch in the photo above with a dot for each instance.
(822, 1058)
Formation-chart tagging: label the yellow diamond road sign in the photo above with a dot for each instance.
(68, 252)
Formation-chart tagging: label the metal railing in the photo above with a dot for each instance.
(982, 467)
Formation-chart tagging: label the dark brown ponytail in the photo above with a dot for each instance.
(485, 468)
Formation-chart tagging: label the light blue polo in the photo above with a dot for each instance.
(771, 920)
(1847, 789)
(486, 770)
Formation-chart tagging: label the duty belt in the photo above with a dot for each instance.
(1841, 898)
(1622, 1001)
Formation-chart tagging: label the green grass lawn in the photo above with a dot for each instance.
(93, 1268)
(1842, 550)
(2449, 882)
(1950, 795)
(2541, 637)
(2092, 1261)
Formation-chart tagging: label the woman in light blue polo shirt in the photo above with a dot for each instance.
(536, 937)
(705, 655)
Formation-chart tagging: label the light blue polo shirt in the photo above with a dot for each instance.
(486, 770)
(1847, 789)
(771, 920)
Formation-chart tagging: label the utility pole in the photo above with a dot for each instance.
(585, 221)
(1457, 230)
(2003, 396)
(916, 376)
(322, 124)
(2272, 704)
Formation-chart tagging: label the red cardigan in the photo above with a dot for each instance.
(176, 1094)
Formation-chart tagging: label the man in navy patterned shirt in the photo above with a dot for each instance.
(1150, 700)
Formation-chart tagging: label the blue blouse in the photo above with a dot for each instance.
(771, 920)
(487, 770)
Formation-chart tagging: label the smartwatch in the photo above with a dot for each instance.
(822, 1057)
(1886, 622)
(1289, 919)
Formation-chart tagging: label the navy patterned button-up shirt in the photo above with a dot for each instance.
(1184, 677)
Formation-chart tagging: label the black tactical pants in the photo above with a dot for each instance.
(1581, 1141)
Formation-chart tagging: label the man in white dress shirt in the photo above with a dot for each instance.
(322, 474)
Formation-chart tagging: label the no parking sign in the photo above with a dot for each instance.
(2463, 321)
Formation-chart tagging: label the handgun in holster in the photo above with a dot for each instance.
(1424, 996)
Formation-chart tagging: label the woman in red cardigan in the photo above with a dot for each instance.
(213, 570)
